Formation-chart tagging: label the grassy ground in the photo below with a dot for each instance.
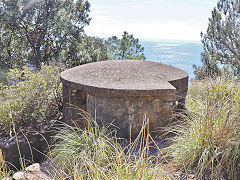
(206, 143)
(94, 153)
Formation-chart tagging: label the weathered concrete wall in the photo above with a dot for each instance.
(74, 105)
(181, 86)
(124, 113)
(127, 113)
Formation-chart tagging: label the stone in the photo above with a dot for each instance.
(124, 93)
(7, 178)
(33, 168)
(32, 172)
(19, 176)
(32, 146)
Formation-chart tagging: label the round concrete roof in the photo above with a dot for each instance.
(123, 77)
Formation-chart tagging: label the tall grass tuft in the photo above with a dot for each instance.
(95, 153)
(209, 140)
(4, 172)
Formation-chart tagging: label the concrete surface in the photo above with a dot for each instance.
(124, 93)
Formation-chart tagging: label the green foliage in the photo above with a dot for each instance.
(209, 68)
(221, 41)
(32, 32)
(126, 48)
(209, 140)
(85, 49)
(29, 98)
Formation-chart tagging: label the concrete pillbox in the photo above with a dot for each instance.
(124, 93)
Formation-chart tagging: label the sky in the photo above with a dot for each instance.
(150, 19)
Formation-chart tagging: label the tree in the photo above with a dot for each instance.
(36, 31)
(85, 49)
(209, 67)
(126, 48)
(221, 42)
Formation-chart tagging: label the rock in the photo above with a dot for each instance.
(19, 176)
(33, 168)
(32, 146)
(32, 172)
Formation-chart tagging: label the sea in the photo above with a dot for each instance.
(178, 53)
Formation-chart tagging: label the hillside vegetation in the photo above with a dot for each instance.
(206, 142)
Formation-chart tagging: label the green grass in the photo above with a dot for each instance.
(209, 140)
(95, 153)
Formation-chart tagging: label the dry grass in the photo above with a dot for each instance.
(209, 140)
(95, 153)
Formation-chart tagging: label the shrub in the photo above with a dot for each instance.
(209, 140)
(29, 96)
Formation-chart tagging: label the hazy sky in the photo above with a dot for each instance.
(150, 19)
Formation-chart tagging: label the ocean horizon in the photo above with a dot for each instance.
(178, 53)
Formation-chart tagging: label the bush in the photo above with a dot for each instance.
(29, 98)
(209, 140)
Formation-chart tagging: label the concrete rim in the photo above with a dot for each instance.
(124, 78)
